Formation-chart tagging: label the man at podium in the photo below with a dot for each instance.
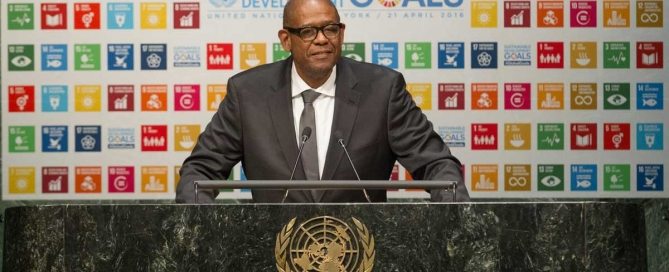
(297, 119)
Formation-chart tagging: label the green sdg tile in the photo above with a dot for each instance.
(355, 51)
(20, 16)
(278, 53)
(550, 136)
(617, 177)
(21, 139)
(87, 57)
(418, 55)
(21, 57)
(617, 55)
(616, 96)
(550, 177)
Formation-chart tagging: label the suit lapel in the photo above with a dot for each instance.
(345, 113)
(281, 110)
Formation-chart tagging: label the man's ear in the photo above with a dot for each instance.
(284, 38)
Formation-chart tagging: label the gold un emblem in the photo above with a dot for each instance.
(325, 244)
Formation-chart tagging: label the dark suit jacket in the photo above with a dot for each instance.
(374, 114)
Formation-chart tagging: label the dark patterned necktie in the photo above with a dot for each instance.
(310, 151)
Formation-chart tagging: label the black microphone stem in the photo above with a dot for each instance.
(306, 133)
(341, 142)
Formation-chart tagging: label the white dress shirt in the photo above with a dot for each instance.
(323, 108)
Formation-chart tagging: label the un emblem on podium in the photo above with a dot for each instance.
(324, 243)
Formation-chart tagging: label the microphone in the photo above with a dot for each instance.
(306, 134)
(343, 146)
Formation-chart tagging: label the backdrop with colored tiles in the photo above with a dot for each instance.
(105, 99)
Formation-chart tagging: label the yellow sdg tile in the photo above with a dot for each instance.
(185, 137)
(177, 176)
(153, 15)
(517, 177)
(422, 94)
(616, 13)
(550, 96)
(485, 177)
(583, 55)
(154, 179)
(517, 136)
(252, 55)
(87, 98)
(21, 180)
(484, 14)
(215, 95)
(583, 96)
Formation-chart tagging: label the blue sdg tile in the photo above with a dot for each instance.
(154, 56)
(120, 57)
(451, 55)
(385, 54)
(650, 136)
(650, 177)
(583, 177)
(119, 16)
(54, 98)
(649, 96)
(484, 55)
(87, 138)
(54, 57)
(54, 139)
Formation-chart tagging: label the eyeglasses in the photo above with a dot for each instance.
(310, 33)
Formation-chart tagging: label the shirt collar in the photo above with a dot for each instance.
(298, 85)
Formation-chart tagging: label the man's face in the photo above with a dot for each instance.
(316, 58)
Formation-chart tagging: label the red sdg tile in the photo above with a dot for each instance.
(517, 96)
(121, 98)
(617, 136)
(517, 14)
(121, 179)
(21, 98)
(550, 55)
(451, 96)
(584, 136)
(583, 13)
(87, 16)
(54, 16)
(649, 55)
(187, 97)
(54, 179)
(484, 137)
(219, 56)
(187, 15)
(154, 138)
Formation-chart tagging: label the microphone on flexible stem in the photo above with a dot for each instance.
(341, 142)
(306, 134)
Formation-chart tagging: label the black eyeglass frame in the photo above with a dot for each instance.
(297, 31)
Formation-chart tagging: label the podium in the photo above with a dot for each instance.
(552, 236)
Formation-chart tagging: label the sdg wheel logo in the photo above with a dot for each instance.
(389, 3)
(324, 243)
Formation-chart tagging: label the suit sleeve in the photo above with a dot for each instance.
(418, 148)
(218, 150)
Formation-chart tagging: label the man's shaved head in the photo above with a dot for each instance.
(291, 7)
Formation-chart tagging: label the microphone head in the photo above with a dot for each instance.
(306, 133)
(340, 138)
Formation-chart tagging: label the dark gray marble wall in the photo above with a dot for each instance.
(409, 237)
(656, 231)
(657, 234)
